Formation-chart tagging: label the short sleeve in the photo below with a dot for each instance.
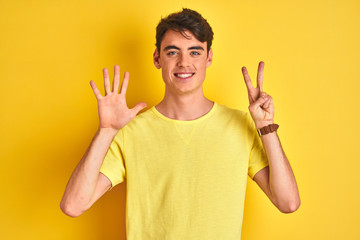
(257, 156)
(113, 166)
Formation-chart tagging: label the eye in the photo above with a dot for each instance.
(195, 53)
(171, 53)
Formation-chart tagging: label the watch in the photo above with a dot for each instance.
(267, 129)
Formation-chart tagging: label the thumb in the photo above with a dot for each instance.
(260, 101)
(138, 107)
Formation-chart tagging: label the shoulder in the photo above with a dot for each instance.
(235, 124)
(145, 115)
(240, 120)
(231, 113)
(144, 119)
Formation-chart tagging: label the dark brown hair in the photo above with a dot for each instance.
(189, 20)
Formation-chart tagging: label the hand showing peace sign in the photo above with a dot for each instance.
(261, 104)
(113, 110)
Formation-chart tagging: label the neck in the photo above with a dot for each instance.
(184, 107)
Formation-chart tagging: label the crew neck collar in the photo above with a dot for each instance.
(207, 115)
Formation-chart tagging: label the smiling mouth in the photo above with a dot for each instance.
(183, 75)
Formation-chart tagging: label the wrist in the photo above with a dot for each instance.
(263, 124)
(111, 132)
(271, 128)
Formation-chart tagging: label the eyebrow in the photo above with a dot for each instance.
(177, 48)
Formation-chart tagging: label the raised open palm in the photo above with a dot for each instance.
(113, 110)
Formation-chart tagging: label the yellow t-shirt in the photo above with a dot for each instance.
(185, 179)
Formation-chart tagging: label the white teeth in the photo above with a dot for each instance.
(184, 75)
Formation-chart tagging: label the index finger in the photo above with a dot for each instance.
(247, 79)
(260, 75)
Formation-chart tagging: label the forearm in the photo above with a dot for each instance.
(282, 181)
(82, 183)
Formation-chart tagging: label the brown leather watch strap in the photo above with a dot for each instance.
(267, 129)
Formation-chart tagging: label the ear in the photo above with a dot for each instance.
(156, 59)
(209, 58)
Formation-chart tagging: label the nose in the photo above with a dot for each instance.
(183, 61)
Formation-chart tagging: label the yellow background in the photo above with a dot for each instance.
(50, 50)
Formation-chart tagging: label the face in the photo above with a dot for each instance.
(183, 62)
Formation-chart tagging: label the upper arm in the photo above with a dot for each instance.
(102, 186)
(262, 180)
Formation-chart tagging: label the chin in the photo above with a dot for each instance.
(188, 90)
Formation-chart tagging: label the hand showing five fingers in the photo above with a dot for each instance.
(261, 104)
(113, 110)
